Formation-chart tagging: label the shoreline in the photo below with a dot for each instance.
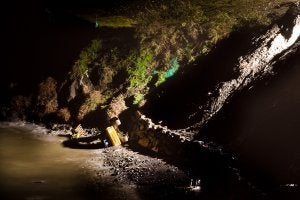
(119, 167)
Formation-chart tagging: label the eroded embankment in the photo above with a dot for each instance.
(278, 42)
(265, 51)
(193, 97)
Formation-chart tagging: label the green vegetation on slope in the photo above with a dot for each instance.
(113, 21)
(86, 57)
(170, 34)
(139, 73)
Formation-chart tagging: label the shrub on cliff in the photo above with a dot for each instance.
(46, 102)
(139, 73)
(64, 114)
(20, 105)
(90, 104)
(116, 107)
(171, 29)
(86, 57)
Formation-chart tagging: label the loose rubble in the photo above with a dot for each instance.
(122, 165)
(276, 42)
(160, 139)
(129, 167)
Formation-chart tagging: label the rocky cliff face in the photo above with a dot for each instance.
(193, 103)
(259, 126)
(157, 138)
(133, 53)
(278, 42)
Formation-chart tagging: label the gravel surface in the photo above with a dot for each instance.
(122, 165)
(115, 172)
(126, 166)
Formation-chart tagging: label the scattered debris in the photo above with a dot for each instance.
(126, 166)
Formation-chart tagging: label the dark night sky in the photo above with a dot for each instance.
(37, 38)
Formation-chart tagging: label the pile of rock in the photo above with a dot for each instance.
(156, 137)
(125, 165)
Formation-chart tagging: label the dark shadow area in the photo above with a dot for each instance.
(213, 167)
(97, 118)
(288, 20)
(82, 145)
(39, 43)
(260, 125)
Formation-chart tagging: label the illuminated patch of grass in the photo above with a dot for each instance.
(139, 74)
(86, 57)
(115, 22)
